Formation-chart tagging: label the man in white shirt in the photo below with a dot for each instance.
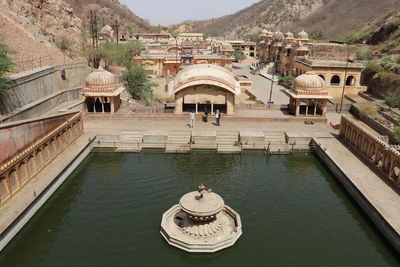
(192, 118)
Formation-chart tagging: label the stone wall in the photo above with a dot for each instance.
(14, 137)
(36, 92)
(53, 137)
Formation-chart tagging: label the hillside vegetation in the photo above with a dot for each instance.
(321, 18)
(108, 11)
(382, 74)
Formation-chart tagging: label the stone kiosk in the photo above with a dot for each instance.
(201, 222)
(102, 92)
(308, 96)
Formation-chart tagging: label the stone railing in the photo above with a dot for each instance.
(379, 154)
(16, 172)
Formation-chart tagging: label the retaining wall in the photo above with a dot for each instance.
(35, 92)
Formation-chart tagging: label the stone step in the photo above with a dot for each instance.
(156, 139)
(275, 138)
(131, 137)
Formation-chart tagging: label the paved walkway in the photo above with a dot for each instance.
(385, 200)
(114, 127)
(261, 86)
(19, 202)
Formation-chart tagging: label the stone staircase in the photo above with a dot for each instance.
(227, 143)
(276, 142)
(155, 140)
(130, 142)
(252, 140)
(204, 140)
(178, 142)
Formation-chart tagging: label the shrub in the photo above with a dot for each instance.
(367, 109)
(6, 66)
(286, 79)
(396, 135)
(364, 55)
(391, 99)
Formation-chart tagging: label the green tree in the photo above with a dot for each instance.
(137, 83)
(6, 66)
(238, 54)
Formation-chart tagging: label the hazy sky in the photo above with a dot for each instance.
(166, 12)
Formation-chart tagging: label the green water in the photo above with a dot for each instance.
(108, 214)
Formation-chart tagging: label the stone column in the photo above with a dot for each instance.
(307, 107)
(324, 107)
(178, 104)
(112, 103)
(230, 104)
(297, 112)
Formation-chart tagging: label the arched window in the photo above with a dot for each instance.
(350, 81)
(335, 80)
(98, 105)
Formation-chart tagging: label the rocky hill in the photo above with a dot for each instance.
(322, 18)
(108, 11)
(47, 32)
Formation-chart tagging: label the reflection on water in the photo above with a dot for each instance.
(108, 213)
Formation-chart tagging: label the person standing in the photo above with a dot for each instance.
(217, 117)
(191, 119)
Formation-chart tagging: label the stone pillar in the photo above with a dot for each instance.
(178, 104)
(315, 107)
(197, 108)
(230, 104)
(112, 103)
(324, 107)
(307, 107)
(297, 103)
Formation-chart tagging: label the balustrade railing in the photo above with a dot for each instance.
(16, 172)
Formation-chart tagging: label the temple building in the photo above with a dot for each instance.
(170, 59)
(193, 37)
(308, 97)
(207, 86)
(297, 55)
(102, 92)
(248, 48)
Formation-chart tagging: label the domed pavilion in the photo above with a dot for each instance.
(308, 96)
(102, 92)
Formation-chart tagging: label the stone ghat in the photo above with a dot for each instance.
(222, 142)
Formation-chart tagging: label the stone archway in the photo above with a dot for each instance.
(351, 80)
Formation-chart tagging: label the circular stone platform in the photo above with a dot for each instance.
(201, 223)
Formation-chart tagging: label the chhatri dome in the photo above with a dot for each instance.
(302, 35)
(289, 35)
(278, 36)
(309, 83)
(101, 79)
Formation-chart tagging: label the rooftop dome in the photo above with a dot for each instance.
(278, 36)
(264, 31)
(309, 81)
(101, 78)
(302, 35)
(289, 35)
